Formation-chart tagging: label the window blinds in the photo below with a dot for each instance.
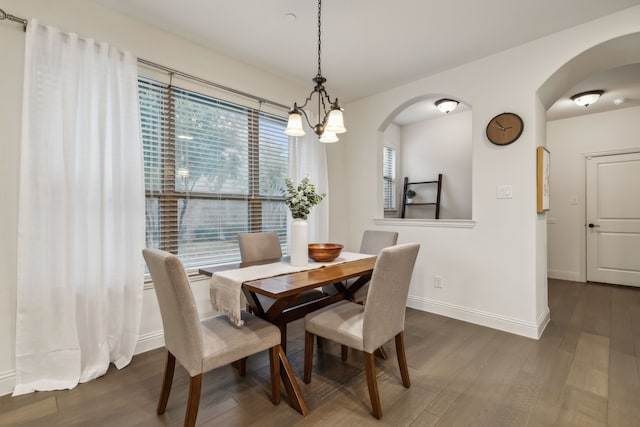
(388, 172)
(213, 169)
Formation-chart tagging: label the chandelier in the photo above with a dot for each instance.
(332, 121)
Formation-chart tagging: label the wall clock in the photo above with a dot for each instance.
(505, 128)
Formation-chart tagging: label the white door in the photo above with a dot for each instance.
(613, 219)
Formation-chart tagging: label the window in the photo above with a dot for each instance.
(213, 169)
(389, 176)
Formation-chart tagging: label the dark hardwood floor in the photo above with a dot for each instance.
(584, 371)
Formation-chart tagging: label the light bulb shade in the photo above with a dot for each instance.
(294, 125)
(335, 121)
(585, 99)
(328, 137)
(446, 105)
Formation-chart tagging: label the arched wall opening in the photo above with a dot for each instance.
(423, 142)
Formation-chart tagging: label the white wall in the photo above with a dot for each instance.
(494, 270)
(90, 20)
(568, 140)
(441, 145)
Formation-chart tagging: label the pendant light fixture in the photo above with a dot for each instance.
(329, 112)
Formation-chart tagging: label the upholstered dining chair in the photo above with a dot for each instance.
(367, 327)
(201, 346)
(263, 246)
(373, 241)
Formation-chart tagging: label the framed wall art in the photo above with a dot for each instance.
(543, 169)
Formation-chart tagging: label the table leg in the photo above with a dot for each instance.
(296, 400)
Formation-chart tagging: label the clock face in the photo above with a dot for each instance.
(505, 128)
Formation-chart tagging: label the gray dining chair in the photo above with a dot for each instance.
(373, 241)
(265, 246)
(367, 327)
(201, 346)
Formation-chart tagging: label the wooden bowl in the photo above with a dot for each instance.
(324, 252)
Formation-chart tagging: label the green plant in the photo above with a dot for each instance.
(411, 194)
(302, 198)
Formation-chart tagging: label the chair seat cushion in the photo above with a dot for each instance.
(341, 322)
(224, 343)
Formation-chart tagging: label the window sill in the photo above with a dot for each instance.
(193, 276)
(435, 223)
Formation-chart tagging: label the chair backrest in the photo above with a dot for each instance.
(180, 319)
(373, 241)
(259, 246)
(384, 311)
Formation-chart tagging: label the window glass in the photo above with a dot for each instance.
(389, 176)
(213, 169)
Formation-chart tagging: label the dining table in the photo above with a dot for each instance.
(284, 288)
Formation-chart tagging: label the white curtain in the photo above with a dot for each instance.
(307, 157)
(81, 212)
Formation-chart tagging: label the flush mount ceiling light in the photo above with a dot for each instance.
(584, 99)
(618, 101)
(446, 105)
(329, 111)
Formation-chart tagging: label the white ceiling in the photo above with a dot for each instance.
(367, 46)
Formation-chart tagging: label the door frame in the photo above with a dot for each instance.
(583, 201)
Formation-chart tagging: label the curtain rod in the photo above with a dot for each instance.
(210, 83)
(4, 15)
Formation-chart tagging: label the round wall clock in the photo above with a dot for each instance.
(505, 128)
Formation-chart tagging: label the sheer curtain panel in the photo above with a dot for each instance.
(307, 157)
(81, 212)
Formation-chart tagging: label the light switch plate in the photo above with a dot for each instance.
(504, 191)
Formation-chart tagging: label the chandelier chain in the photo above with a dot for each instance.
(319, 35)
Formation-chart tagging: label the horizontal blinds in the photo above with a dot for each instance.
(213, 169)
(388, 172)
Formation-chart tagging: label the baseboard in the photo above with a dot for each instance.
(145, 342)
(479, 317)
(543, 321)
(7, 382)
(149, 341)
(572, 276)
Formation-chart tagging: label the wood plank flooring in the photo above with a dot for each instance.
(584, 371)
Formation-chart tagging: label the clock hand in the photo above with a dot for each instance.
(508, 127)
(498, 126)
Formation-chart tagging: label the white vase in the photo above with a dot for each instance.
(299, 251)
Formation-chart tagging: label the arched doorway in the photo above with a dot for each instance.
(573, 141)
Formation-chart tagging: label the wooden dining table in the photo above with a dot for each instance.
(284, 289)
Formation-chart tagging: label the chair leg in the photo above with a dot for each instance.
(402, 360)
(169, 369)
(381, 353)
(274, 365)
(308, 355)
(195, 385)
(372, 383)
(241, 366)
(344, 350)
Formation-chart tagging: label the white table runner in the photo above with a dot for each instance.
(226, 286)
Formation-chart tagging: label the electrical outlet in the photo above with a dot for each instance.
(437, 281)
